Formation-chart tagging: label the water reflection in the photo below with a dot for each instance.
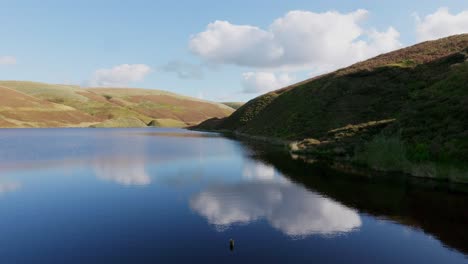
(122, 170)
(125, 164)
(179, 134)
(436, 208)
(225, 183)
(6, 187)
(258, 171)
(288, 207)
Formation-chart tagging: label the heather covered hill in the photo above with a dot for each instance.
(393, 111)
(163, 105)
(31, 104)
(21, 110)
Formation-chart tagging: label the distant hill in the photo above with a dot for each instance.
(234, 105)
(405, 110)
(31, 104)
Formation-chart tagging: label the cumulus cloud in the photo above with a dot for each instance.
(441, 24)
(184, 70)
(288, 207)
(119, 76)
(257, 82)
(7, 60)
(298, 39)
(223, 42)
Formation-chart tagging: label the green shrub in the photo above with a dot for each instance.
(418, 153)
(408, 62)
(382, 152)
(57, 100)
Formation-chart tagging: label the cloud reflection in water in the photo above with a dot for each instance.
(259, 171)
(124, 163)
(6, 187)
(288, 207)
(123, 171)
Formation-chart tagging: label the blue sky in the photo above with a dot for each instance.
(254, 47)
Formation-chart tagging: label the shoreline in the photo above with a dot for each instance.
(421, 170)
(428, 170)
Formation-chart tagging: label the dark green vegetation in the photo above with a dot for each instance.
(31, 104)
(405, 111)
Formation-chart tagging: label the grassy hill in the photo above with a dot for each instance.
(405, 110)
(234, 105)
(31, 104)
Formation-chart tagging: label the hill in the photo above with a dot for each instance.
(234, 105)
(31, 104)
(405, 110)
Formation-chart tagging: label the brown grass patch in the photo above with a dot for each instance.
(4, 123)
(12, 98)
(93, 97)
(66, 117)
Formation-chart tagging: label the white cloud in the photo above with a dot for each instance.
(184, 70)
(7, 60)
(441, 24)
(298, 39)
(223, 42)
(290, 208)
(257, 82)
(378, 42)
(120, 76)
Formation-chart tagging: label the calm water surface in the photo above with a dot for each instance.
(170, 195)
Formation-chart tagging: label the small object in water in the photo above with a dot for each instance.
(231, 244)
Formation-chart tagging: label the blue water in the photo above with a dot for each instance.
(172, 195)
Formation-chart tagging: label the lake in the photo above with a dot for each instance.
(172, 195)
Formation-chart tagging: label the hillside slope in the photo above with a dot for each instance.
(31, 104)
(391, 112)
(21, 110)
(234, 105)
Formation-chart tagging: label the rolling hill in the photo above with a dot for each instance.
(235, 105)
(405, 110)
(31, 104)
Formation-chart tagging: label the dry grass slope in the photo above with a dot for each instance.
(32, 104)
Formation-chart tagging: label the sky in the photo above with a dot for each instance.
(213, 50)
